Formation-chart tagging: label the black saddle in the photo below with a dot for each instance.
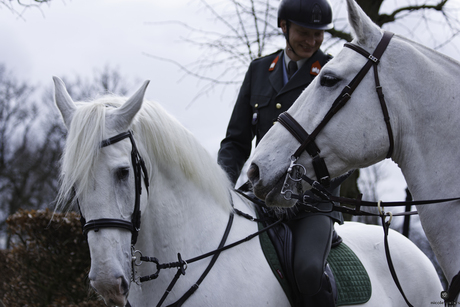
(281, 238)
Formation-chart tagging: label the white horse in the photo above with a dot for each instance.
(186, 211)
(422, 91)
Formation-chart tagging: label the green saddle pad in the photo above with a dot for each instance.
(351, 278)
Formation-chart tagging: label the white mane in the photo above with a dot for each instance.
(158, 136)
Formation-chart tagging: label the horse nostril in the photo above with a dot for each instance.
(124, 286)
(253, 173)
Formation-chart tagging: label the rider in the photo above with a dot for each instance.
(271, 85)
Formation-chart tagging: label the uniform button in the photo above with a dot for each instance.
(278, 105)
(256, 105)
(274, 122)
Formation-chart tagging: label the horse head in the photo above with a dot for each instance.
(354, 137)
(98, 174)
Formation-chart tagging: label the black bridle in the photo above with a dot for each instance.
(308, 140)
(134, 226)
(139, 169)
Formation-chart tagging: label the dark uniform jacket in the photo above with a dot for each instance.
(262, 98)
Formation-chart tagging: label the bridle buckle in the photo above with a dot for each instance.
(373, 58)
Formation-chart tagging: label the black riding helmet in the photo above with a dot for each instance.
(312, 14)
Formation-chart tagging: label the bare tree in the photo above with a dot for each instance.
(32, 138)
(107, 80)
(26, 156)
(403, 12)
(19, 7)
(242, 30)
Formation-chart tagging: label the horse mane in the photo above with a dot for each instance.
(157, 134)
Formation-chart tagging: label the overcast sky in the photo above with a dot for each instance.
(68, 38)
(75, 37)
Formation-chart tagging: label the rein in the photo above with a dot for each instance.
(323, 195)
(181, 264)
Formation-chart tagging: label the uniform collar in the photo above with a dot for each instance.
(287, 59)
(303, 75)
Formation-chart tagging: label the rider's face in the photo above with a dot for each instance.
(304, 41)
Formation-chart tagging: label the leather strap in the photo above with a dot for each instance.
(350, 88)
(375, 59)
(139, 169)
(308, 140)
(312, 149)
(298, 132)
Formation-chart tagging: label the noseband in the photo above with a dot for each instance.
(139, 167)
(307, 141)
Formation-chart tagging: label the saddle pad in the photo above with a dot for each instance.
(352, 280)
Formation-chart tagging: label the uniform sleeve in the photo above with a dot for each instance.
(235, 148)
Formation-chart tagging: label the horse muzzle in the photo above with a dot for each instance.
(270, 193)
(114, 291)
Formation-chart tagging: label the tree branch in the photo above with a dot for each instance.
(386, 18)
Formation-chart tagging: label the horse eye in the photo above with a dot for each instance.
(328, 80)
(122, 173)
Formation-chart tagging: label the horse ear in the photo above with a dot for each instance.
(362, 26)
(125, 114)
(63, 101)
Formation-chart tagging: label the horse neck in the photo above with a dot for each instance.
(424, 102)
(181, 212)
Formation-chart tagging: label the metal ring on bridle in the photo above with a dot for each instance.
(287, 194)
(390, 214)
(381, 212)
(135, 259)
(298, 170)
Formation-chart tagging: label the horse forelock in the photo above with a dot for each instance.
(84, 136)
(159, 136)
